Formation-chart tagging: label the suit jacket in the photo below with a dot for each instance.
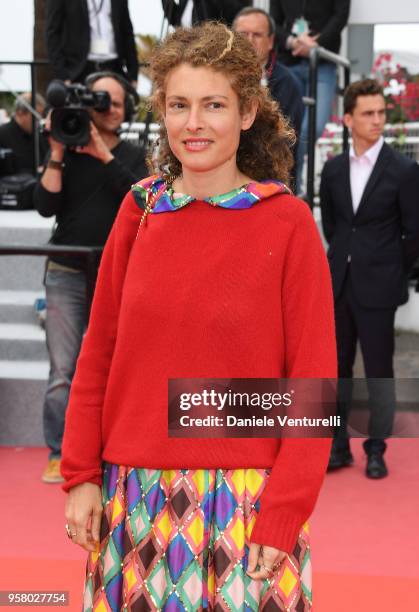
(68, 37)
(203, 10)
(325, 17)
(382, 238)
(285, 89)
(22, 144)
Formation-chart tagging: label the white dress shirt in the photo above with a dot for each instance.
(360, 170)
(102, 38)
(186, 20)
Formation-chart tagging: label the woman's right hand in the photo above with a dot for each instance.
(83, 513)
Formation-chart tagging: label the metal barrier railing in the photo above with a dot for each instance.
(90, 254)
(315, 55)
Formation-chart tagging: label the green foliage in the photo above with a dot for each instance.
(7, 101)
(145, 45)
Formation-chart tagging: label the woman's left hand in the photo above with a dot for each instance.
(268, 558)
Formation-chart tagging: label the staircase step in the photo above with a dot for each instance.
(25, 219)
(25, 227)
(18, 306)
(13, 313)
(22, 272)
(19, 298)
(21, 332)
(24, 370)
(22, 341)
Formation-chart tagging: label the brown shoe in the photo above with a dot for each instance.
(52, 473)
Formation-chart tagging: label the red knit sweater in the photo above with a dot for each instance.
(204, 292)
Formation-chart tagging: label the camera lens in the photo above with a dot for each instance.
(71, 124)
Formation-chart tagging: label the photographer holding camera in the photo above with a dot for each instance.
(17, 135)
(82, 186)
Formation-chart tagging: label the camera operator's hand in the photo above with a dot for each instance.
(52, 177)
(57, 148)
(96, 146)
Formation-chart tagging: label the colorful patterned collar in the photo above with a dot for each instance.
(167, 200)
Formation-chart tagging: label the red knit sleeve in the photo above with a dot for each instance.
(82, 443)
(310, 352)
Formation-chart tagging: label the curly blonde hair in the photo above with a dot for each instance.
(264, 149)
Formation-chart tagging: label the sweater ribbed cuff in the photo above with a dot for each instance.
(277, 529)
(93, 476)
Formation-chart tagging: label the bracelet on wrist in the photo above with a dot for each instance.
(55, 165)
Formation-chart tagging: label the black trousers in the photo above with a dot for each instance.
(374, 328)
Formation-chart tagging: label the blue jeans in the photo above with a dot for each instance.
(65, 325)
(326, 90)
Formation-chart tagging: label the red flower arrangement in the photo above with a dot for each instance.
(401, 89)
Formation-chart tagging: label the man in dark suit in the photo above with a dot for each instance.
(302, 25)
(370, 217)
(258, 26)
(86, 36)
(202, 10)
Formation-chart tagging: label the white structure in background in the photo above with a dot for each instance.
(262, 4)
(16, 35)
(384, 11)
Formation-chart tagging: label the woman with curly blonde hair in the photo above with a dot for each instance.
(213, 269)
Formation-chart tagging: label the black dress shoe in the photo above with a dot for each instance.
(339, 458)
(376, 467)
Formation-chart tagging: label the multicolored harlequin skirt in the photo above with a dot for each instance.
(177, 540)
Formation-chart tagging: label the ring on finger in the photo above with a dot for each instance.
(70, 534)
(270, 570)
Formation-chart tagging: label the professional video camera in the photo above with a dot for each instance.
(70, 119)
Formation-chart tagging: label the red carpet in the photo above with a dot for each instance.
(365, 534)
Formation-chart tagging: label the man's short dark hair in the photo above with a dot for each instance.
(250, 10)
(366, 87)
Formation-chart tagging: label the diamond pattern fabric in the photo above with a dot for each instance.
(177, 541)
(166, 200)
